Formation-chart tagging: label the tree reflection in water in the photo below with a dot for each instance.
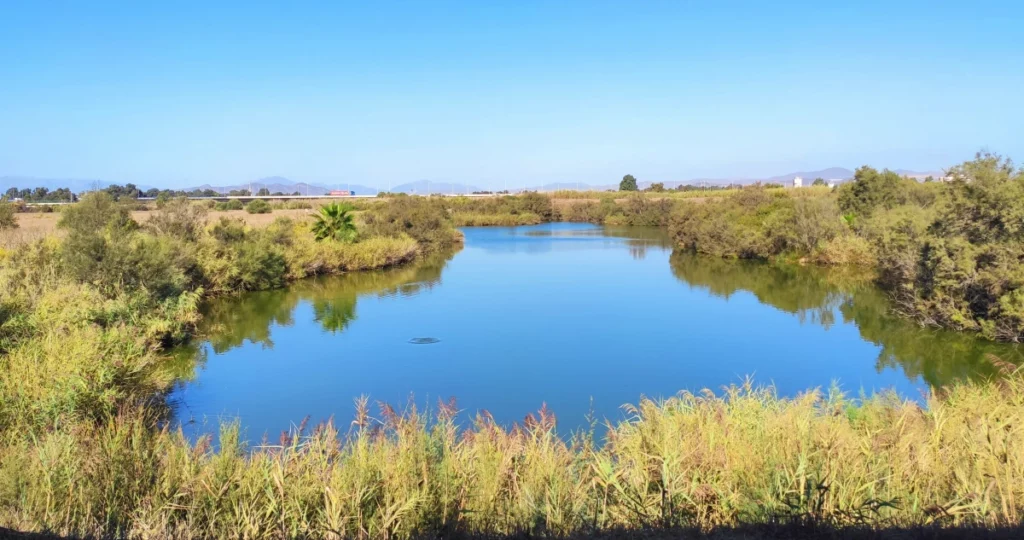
(820, 295)
(230, 322)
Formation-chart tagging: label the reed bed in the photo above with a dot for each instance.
(704, 461)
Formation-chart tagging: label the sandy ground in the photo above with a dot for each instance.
(32, 226)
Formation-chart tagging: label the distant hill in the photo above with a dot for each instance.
(426, 187)
(280, 184)
(831, 173)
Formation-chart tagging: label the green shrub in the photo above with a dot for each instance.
(871, 190)
(233, 204)
(424, 219)
(7, 218)
(179, 218)
(258, 206)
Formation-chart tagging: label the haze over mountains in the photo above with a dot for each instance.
(276, 184)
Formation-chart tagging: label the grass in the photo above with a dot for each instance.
(703, 461)
(86, 448)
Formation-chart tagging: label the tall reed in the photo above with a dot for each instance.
(696, 460)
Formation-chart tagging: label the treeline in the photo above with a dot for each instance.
(40, 195)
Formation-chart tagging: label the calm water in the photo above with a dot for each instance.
(576, 316)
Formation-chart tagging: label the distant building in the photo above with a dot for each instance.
(798, 182)
(340, 193)
(832, 184)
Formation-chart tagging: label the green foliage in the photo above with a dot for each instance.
(95, 213)
(424, 219)
(871, 190)
(258, 206)
(656, 187)
(7, 218)
(950, 254)
(233, 204)
(818, 182)
(757, 223)
(335, 222)
(641, 211)
(965, 270)
(179, 218)
(628, 183)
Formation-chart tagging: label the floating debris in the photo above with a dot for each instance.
(423, 340)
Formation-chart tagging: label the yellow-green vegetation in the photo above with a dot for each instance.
(950, 253)
(86, 449)
(746, 456)
(525, 209)
(85, 318)
(7, 220)
(258, 206)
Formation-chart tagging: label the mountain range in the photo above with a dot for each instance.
(276, 184)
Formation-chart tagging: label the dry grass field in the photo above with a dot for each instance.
(32, 226)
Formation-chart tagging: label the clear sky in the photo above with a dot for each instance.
(483, 92)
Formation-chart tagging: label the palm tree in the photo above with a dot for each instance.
(335, 222)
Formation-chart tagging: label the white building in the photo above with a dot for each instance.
(798, 182)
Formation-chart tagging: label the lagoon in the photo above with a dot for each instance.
(579, 317)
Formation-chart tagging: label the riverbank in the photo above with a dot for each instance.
(85, 448)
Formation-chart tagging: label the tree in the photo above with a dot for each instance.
(628, 183)
(819, 181)
(334, 222)
(871, 189)
(657, 187)
(263, 192)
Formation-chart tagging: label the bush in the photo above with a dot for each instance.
(233, 204)
(7, 219)
(966, 269)
(871, 190)
(258, 206)
(424, 219)
(179, 219)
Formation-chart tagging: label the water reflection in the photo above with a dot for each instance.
(579, 317)
(821, 295)
(230, 322)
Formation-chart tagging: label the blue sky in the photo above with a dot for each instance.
(177, 93)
